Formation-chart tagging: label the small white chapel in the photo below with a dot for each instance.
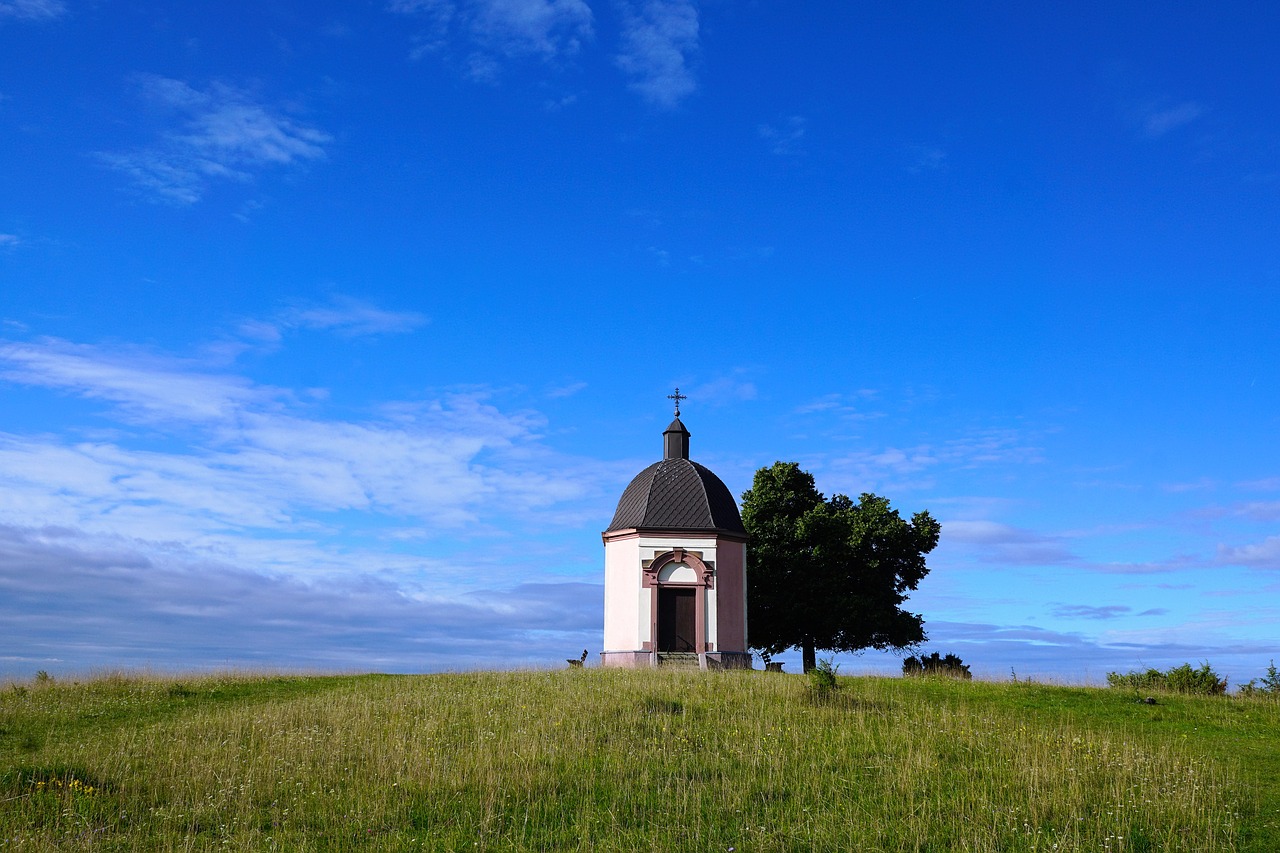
(675, 583)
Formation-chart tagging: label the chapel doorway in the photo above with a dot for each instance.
(677, 619)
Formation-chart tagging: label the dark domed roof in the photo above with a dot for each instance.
(676, 494)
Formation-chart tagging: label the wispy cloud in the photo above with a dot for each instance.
(992, 542)
(543, 27)
(1268, 511)
(1263, 555)
(352, 318)
(144, 386)
(721, 391)
(1034, 650)
(559, 392)
(1200, 485)
(235, 522)
(846, 405)
(9, 240)
(491, 31)
(344, 316)
(1102, 612)
(659, 41)
(173, 612)
(1159, 120)
(32, 10)
(257, 459)
(221, 134)
(785, 137)
(914, 467)
(926, 158)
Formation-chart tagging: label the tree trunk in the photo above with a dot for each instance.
(810, 654)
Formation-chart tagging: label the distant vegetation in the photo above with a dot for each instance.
(936, 665)
(590, 759)
(1268, 686)
(1180, 679)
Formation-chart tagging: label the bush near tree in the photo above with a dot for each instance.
(934, 664)
(1180, 679)
(822, 678)
(1268, 686)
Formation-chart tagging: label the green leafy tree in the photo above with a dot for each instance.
(829, 574)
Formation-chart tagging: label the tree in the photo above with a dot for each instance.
(829, 574)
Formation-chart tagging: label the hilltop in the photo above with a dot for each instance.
(615, 760)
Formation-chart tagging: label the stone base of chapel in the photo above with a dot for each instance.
(707, 660)
(627, 660)
(727, 660)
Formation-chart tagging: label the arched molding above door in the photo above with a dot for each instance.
(705, 574)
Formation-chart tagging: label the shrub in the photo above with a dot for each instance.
(1180, 679)
(951, 665)
(822, 678)
(1268, 686)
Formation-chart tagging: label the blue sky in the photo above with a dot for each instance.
(330, 333)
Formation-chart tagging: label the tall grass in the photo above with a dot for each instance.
(595, 760)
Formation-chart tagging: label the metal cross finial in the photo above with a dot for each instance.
(677, 397)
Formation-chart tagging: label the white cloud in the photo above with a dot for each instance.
(9, 240)
(256, 459)
(659, 40)
(1268, 511)
(990, 542)
(544, 27)
(342, 315)
(144, 386)
(989, 533)
(926, 158)
(722, 391)
(412, 7)
(490, 29)
(1269, 484)
(32, 10)
(352, 318)
(848, 406)
(1264, 554)
(71, 601)
(1102, 611)
(561, 391)
(914, 467)
(1037, 651)
(995, 543)
(1157, 121)
(222, 134)
(784, 139)
(253, 529)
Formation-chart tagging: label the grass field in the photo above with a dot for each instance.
(613, 760)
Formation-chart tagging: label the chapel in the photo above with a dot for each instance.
(675, 585)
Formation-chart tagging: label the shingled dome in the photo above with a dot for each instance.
(676, 494)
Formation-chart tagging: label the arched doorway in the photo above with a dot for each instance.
(677, 619)
(678, 582)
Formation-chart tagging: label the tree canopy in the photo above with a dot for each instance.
(829, 574)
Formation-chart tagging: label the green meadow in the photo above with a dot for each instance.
(614, 760)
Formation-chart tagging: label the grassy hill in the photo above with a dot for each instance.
(610, 760)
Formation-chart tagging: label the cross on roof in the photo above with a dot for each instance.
(677, 397)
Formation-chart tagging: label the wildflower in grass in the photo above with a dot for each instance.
(71, 784)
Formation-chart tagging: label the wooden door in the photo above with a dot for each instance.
(677, 619)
